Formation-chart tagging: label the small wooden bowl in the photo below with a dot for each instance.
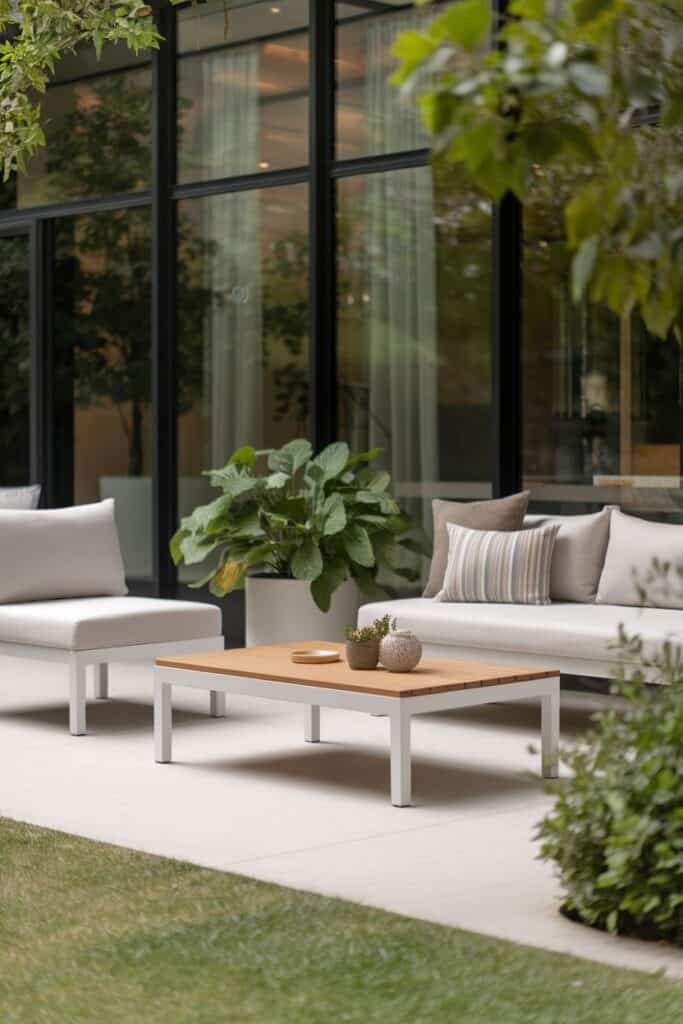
(316, 656)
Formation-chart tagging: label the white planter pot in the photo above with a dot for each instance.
(283, 611)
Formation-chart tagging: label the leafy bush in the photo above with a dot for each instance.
(616, 831)
(325, 519)
(377, 630)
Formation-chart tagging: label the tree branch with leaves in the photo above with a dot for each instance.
(561, 83)
(37, 33)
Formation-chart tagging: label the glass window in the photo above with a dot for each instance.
(372, 116)
(242, 88)
(414, 308)
(102, 436)
(98, 134)
(602, 398)
(243, 374)
(15, 426)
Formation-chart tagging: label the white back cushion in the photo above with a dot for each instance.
(20, 497)
(66, 552)
(635, 545)
(578, 555)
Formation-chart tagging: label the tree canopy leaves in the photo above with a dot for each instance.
(559, 84)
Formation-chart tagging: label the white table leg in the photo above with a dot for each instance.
(101, 682)
(312, 724)
(400, 756)
(77, 698)
(217, 704)
(163, 722)
(550, 733)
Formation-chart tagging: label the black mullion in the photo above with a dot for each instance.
(164, 484)
(383, 162)
(506, 336)
(323, 263)
(41, 238)
(241, 183)
(105, 204)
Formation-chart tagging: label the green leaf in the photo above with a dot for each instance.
(583, 266)
(175, 545)
(368, 456)
(357, 545)
(332, 460)
(307, 563)
(374, 480)
(245, 456)
(589, 10)
(277, 480)
(291, 457)
(323, 588)
(334, 515)
(466, 23)
(590, 79)
(194, 550)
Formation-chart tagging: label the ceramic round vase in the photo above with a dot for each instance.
(363, 655)
(400, 651)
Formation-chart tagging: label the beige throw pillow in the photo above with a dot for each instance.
(500, 567)
(497, 514)
(54, 553)
(578, 556)
(634, 545)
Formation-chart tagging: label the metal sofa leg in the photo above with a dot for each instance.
(101, 682)
(217, 704)
(77, 698)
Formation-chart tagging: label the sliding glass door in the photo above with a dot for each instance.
(15, 365)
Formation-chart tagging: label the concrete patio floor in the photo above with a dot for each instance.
(247, 795)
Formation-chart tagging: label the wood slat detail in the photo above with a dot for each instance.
(433, 675)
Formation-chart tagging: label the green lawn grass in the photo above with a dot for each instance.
(92, 933)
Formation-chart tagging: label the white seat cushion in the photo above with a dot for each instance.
(88, 623)
(561, 630)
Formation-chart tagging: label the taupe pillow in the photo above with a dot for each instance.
(578, 555)
(53, 553)
(499, 566)
(497, 514)
(634, 544)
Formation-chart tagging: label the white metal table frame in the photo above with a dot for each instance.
(399, 710)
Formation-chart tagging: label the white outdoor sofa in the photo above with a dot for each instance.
(63, 598)
(603, 563)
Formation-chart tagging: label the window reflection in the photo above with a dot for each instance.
(15, 363)
(243, 88)
(102, 438)
(602, 401)
(413, 292)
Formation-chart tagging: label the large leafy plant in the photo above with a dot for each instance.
(616, 831)
(325, 519)
(559, 83)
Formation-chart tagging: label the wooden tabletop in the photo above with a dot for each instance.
(433, 675)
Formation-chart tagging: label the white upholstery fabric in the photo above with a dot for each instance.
(634, 544)
(561, 630)
(65, 552)
(88, 623)
(20, 497)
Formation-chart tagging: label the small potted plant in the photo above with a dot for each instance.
(362, 645)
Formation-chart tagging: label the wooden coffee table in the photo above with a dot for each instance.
(436, 685)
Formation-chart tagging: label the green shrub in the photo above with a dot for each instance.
(616, 831)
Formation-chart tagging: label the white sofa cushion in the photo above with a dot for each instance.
(572, 631)
(56, 553)
(634, 545)
(578, 555)
(492, 565)
(20, 497)
(88, 623)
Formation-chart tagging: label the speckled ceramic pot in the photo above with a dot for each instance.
(400, 651)
(363, 655)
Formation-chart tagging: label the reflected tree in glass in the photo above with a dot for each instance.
(104, 267)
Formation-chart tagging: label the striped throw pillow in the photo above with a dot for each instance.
(496, 566)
